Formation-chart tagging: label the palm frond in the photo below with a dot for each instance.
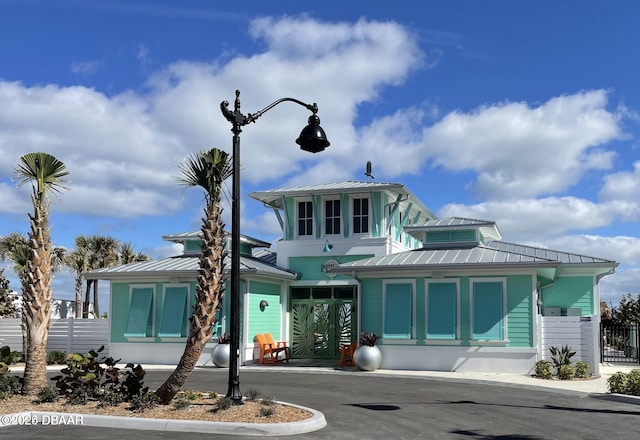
(206, 169)
(44, 170)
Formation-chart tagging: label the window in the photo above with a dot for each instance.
(361, 216)
(398, 310)
(305, 218)
(332, 217)
(140, 322)
(174, 312)
(488, 306)
(442, 310)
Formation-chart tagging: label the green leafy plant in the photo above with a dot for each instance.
(583, 369)
(191, 395)
(618, 383)
(82, 376)
(144, 402)
(56, 357)
(566, 372)
(110, 398)
(9, 385)
(368, 339)
(561, 356)
(633, 382)
(268, 401)
(47, 395)
(544, 369)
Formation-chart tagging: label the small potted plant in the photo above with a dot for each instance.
(368, 356)
(221, 352)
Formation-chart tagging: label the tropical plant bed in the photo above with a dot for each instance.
(202, 409)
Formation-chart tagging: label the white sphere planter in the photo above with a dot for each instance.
(220, 355)
(367, 358)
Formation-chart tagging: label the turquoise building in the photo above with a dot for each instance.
(442, 293)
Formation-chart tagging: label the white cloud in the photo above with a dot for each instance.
(523, 151)
(531, 218)
(623, 186)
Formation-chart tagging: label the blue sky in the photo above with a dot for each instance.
(525, 113)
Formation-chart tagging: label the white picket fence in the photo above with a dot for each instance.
(69, 335)
(581, 334)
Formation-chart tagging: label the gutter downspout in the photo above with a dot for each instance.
(354, 274)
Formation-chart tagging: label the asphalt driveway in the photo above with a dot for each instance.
(358, 406)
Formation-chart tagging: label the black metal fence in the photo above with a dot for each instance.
(619, 343)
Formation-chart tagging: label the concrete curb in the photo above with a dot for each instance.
(316, 422)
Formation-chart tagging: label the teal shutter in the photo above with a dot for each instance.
(139, 321)
(398, 311)
(174, 313)
(442, 313)
(488, 311)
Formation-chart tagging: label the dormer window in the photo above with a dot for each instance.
(332, 217)
(361, 216)
(305, 218)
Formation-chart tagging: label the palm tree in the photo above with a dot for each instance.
(77, 261)
(208, 170)
(127, 254)
(46, 174)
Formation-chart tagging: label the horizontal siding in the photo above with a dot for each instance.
(68, 335)
(558, 331)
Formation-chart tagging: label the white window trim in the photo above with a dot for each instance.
(411, 281)
(458, 338)
(367, 197)
(504, 339)
(324, 216)
(311, 236)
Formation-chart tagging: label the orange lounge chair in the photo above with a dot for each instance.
(346, 354)
(270, 350)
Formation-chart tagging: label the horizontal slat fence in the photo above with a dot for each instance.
(68, 335)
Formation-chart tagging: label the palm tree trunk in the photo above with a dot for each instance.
(78, 297)
(209, 294)
(87, 297)
(37, 303)
(96, 299)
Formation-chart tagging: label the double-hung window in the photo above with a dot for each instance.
(305, 218)
(488, 305)
(361, 216)
(332, 217)
(398, 314)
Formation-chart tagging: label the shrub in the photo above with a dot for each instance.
(56, 357)
(633, 382)
(266, 411)
(618, 383)
(268, 401)
(9, 385)
(110, 398)
(583, 369)
(224, 403)
(180, 404)
(544, 369)
(144, 402)
(82, 376)
(566, 372)
(47, 395)
(253, 394)
(561, 356)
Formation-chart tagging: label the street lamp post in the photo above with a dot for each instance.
(312, 139)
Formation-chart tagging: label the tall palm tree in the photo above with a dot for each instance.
(46, 174)
(105, 252)
(76, 261)
(208, 170)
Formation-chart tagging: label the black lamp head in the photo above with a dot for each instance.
(312, 137)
